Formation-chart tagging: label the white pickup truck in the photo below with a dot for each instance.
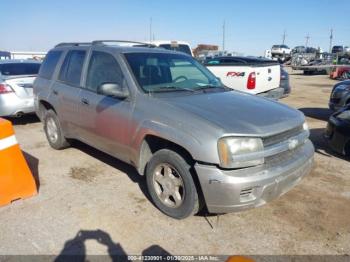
(252, 75)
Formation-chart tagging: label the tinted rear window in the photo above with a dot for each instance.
(14, 69)
(72, 67)
(48, 67)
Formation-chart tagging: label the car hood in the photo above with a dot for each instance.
(237, 113)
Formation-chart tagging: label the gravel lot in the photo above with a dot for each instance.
(91, 203)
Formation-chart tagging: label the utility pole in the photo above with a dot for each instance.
(223, 36)
(284, 37)
(307, 40)
(331, 41)
(150, 30)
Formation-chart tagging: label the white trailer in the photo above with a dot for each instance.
(28, 55)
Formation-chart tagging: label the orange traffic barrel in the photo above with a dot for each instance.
(16, 179)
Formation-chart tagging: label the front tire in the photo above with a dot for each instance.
(170, 184)
(53, 131)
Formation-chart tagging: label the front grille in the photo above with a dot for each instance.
(281, 137)
(277, 160)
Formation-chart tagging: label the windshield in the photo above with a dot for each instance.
(14, 69)
(162, 72)
(181, 48)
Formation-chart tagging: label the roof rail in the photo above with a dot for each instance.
(101, 42)
(73, 44)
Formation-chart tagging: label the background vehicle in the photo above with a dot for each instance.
(179, 46)
(340, 95)
(338, 131)
(16, 86)
(195, 140)
(28, 55)
(340, 49)
(340, 72)
(299, 49)
(280, 50)
(5, 55)
(250, 75)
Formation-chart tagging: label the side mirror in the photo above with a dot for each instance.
(113, 90)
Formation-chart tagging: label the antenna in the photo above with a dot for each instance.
(307, 39)
(284, 37)
(150, 30)
(331, 41)
(223, 35)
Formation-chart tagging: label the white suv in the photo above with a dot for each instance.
(280, 50)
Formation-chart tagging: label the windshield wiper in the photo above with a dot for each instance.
(208, 87)
(172, 89)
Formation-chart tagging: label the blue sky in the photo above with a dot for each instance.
(251, 25)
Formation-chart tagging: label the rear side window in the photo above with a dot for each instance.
(15, 69)
(72, 67)
(103, 68)
(48, 66)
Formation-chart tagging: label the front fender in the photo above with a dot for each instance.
(196, 146)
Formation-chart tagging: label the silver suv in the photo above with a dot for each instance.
(197, 142)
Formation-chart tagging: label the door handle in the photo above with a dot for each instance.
(84, 101)
(55, 92)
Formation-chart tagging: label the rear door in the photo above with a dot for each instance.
(67, 90)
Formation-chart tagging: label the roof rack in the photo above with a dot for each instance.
(101, 42)
(73, 44)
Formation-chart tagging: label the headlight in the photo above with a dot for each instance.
(345, 115)
(306, 126)
(239, 152)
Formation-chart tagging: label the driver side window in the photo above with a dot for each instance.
(103, 68)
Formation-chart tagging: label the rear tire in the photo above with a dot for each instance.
(347, 149)
(344, 76)
(53, 131)
(171, 186)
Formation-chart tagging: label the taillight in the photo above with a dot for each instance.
(251, 80)
(4, 89)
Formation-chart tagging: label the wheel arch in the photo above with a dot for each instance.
(44, 105)
(152, 143)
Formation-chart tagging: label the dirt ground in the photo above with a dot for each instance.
(90, 203)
